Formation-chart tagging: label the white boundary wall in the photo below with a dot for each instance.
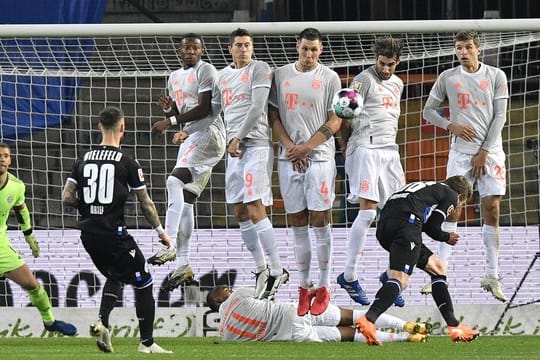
(217, 253)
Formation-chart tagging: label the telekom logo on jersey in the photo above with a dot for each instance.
(229, 97)
(464, 100)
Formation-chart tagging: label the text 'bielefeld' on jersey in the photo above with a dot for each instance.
(104, 178)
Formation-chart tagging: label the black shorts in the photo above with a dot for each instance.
(118, 258)
(403, 241)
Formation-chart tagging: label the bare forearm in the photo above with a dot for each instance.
(148, 208)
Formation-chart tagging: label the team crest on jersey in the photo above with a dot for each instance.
(191, 78)
(396, 90)
(316, 84)
(484, 84)
(244, 78)
(141, 174)
(9, 199)
(286, 83)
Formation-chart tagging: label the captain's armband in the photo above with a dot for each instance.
(326, 131)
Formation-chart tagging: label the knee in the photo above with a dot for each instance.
(435, 266)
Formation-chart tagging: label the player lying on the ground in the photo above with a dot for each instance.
(245, 318)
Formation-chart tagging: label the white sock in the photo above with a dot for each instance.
(183, 240)
(387, 321)
(383, 337)
(323, 235)
(250, 238)
(357, 240)
(445, 250)
(302, 252)
(175, 201)
(490, 235)
(265, 233)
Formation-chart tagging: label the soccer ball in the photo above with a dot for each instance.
(346, 103)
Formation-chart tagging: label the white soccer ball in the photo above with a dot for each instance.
(346, 103)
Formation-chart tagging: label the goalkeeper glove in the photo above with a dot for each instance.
(33, 243)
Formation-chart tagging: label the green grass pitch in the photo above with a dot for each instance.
(437, 347)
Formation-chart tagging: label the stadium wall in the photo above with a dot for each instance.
(74, 284)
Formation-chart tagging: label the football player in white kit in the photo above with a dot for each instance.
(245, 318)
(202, 145)
(477, 96)
(372, 160)
(304, 122)
(241, 91)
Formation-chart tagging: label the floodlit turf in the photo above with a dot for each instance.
(486, 347)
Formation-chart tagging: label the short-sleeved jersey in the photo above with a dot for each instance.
(233, 89)
(105, 177)
(377, 124)
(470, 100)
(420, 199)
(304, 100)
(11, 194)
(185, 85)
(244, 318)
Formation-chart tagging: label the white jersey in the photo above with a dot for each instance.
(233, 89)
(377, 124)
(304, 100)
(244, 318)
(470, 100)
(185, 85)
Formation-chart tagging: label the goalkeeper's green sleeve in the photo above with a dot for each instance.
(23, 217)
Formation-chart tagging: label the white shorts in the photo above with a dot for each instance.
(313, 189)
(248, 178)
(374, 174)
(200, 152)
(304, 328)
(492, 183)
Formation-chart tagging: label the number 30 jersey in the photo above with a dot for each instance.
(105, 177)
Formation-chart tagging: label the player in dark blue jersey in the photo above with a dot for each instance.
(99, 186)
(416, 208)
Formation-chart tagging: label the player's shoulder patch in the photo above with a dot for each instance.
(356, 85)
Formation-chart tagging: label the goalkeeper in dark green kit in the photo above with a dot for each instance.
(12, 266)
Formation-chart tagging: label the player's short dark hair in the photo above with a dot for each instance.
(211, 299)
(310, 34)
(190, 36)
(239, 32)
(460, 185)
(110, 117)
(387, 46)
(466, 36)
